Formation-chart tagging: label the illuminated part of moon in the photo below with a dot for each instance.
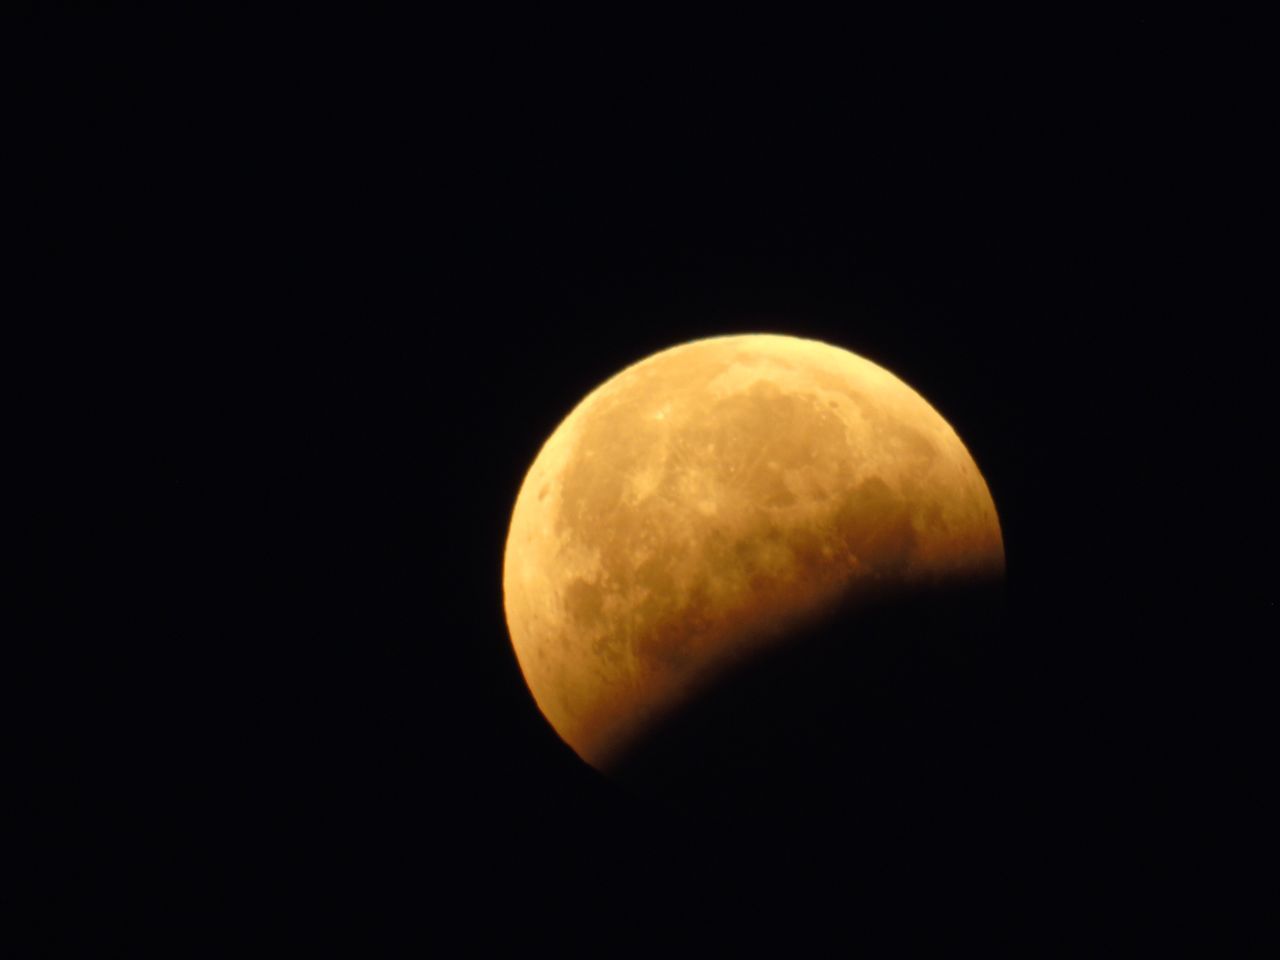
(710, 497)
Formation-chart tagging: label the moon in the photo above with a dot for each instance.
(704, 503)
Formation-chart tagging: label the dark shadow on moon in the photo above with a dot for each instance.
(883, 726)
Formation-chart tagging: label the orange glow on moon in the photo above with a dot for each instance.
(706, 499)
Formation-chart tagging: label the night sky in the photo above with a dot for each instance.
(307, 299)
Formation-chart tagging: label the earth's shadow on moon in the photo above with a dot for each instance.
(885, 718)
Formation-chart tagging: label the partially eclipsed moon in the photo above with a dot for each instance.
(708, 499)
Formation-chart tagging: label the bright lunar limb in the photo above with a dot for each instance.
(703, 501)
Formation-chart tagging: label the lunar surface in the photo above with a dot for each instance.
(702, 503)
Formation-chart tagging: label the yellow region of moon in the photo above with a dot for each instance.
(704, 500)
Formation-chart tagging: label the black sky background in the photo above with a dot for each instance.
(305, 300)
